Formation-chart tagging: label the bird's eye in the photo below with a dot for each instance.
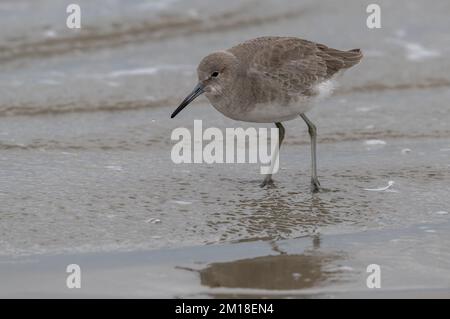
(215, 74)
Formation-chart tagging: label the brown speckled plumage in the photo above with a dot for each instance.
(292, 65)
(267, 72)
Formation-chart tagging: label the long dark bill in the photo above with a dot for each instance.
(198, 90)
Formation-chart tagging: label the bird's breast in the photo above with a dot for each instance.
(272, 106)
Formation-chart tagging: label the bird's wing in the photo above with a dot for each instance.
(294, 65)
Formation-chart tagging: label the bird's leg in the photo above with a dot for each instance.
(268, 179)
(312, 130)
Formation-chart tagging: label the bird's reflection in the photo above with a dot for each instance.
(280, 272)
(276, 214)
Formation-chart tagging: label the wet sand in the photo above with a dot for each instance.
(86, 175)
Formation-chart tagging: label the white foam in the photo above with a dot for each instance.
(148, 70)
(157, 5)
(340, 268)
(49, 82)
(180, 202)
(50, 34)
(346, 268)
(56, 73)
(406, 150)
(140, 71)
(375, 142)
(373, 53)
(114, 167)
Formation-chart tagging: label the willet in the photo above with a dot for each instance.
(271, 80)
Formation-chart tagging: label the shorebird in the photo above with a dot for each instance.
(271, 80)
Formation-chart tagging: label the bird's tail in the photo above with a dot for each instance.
(346, 59)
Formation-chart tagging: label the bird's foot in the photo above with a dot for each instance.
(268, 181)
(315, 185)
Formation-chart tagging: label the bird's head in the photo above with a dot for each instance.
(216, 76)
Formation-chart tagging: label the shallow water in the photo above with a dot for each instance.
(85, 167)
